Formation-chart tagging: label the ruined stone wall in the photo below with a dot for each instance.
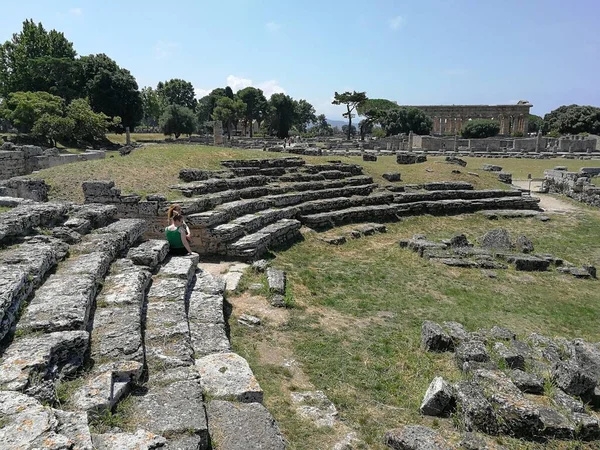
(22, 160)
(23, 187)
(576, 185)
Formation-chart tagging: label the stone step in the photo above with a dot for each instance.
(295, 198)
(206, 317)
(348, 215)
(409, 197)
(118, 321)
(256, 244)
(22, 269)
(27, 423)
(460, 206)
(220, 184)
(65, 301)
(441, 186)
(242, 426)
(32, 362)
(227, 211)
(150, 253)
(264, 163)
(21, 220)
(167, 336)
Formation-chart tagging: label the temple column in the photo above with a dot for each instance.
(525, 125)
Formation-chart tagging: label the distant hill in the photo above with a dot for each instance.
(339, 123)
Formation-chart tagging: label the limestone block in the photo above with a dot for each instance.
(240, 426)
(315, 407)
(48, 355)
(205, 307)
(28, 424)
(228, 376)
(276, 280)
(415, 437)
(438, 398)
(173, 409)
(142, 440)
(572, 378)
(527, 382)
(471, 351)
(180, 266)
(104, 388)
(150, 253)
(434, 338)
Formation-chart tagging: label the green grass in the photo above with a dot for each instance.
(520, 168)
(154, 168)
(4, 209)
(360, 307)
(120, 138)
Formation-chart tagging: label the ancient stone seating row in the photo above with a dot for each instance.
(168, 328)
(393, 211)
(409, 197)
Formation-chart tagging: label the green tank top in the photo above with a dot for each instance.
(174, 238)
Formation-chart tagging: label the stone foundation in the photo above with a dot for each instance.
(572, 184)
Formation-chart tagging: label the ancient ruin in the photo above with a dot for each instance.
(449, 119)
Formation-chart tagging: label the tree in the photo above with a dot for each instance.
(351, 100)
(322, 127)
(177, 92)
(89, 126)
(23, 109)
(152, 106)
(256, 105)
(112, 90)
(281, 114)
(573, 119)
(177, 120)
(403, 120)
(376, 104)
(54, 128)
(352, 130)
(229, 111)
(534, 123)
(229, 92)
(19, 54)
(480, 128)
(203, 113)
(366, 127)
(304, 114)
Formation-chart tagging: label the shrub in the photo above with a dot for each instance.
(177, 120)
(477, 129)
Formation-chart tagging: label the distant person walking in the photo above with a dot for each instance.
(177, 238)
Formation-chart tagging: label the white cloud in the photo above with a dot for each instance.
(397, 22)
(273, 27)
(162, 49)
(237, 83)
(270, 87)
(76, 11)
(201, 92)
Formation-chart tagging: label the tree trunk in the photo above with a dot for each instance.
(349, 122)
(229, 129)
(251, 127)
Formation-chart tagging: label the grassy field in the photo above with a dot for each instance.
(120, 138)
(354, 331)
(154, 168)
(520, 168)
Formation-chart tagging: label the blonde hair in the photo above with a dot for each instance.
(173, 209)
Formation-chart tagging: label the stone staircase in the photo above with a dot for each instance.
(91, 318)
(254, 205)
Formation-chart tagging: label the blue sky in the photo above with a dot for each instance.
(417, 52)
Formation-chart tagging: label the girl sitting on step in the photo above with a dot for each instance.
(176, 236)
(176, 209)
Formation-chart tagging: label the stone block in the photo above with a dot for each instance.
(141, 439)
(315, 407)
(391, 176)
(438, 398)
(240, 426)
(228, 376)
(415, 437)
(208, 338)
(276, 280)
(435, 339)
(43, 357)
(150, 253)
(572, 378)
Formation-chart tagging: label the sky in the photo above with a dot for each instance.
(413, 52)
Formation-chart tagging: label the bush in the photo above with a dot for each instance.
(478, 129)
(518, 134)
(23, 109)
(404, 120)
(89, 127)
(177, 120)
(54, 128)
(553, 134)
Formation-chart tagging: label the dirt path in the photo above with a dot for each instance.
(548, 203)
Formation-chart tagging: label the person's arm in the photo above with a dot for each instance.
(184, 240)
(187, 230)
